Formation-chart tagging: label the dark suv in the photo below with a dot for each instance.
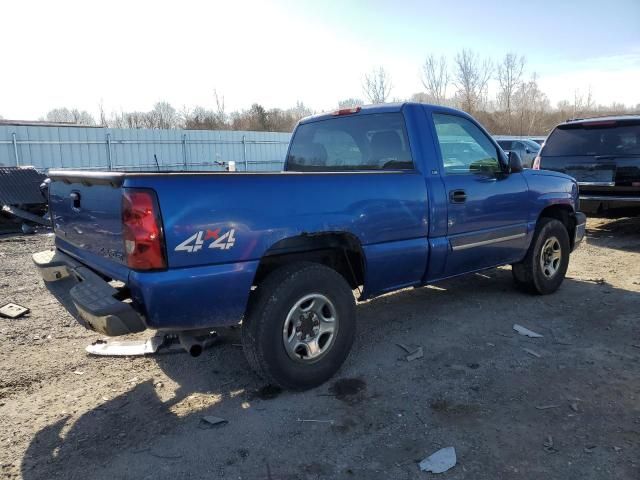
(603, 155)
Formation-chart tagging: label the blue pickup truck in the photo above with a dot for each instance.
(372, 200)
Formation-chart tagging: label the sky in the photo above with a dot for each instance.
(128, 55)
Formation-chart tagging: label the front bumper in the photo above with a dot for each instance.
(581, 227)
(86, 295)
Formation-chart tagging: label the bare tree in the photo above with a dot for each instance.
(221, 115)
(435, 78)
(471, 78)
(103, 116)
(137, 120)
(201, 119)
(298, 112)
(64, 115)
(509, 78)
(350, 102)
(377, 85)
(163, 116)
(582, 103)
(531, 103)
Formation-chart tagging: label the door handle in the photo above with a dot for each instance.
(75, 200)
(457, 196)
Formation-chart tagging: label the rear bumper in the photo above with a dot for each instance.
(595, 203)
(87, 296)
(581, 227)
(172, 300)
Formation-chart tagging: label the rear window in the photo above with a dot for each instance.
(575, 140)
(359, 142)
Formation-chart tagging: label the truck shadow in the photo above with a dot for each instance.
(124, 429)
(619, 234)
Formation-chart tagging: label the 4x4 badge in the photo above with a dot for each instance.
(196, 241)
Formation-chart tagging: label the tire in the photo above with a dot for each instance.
(538, 273)
(279, 306)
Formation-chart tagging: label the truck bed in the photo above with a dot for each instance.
(387, 212)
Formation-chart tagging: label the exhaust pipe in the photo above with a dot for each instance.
(195, 344)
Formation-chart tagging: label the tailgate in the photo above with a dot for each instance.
(617, 173)
(585, 169)
(86, 212)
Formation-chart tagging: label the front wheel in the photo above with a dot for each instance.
(300, 326)
(545, 265)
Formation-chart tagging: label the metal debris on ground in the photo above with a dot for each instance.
(78, 372)
(532, 352)
(440, 461)
(590, 449)
(574, 406)
(548, 445)
(213, 421)
(414, 352)
(109, 347)
(159, 343)
(415, 355)
(13, 310)
(315, 421)
(546, 407)
(525, 331)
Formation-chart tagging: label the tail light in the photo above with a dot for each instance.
(142, 230)
(536, 163)
(346, 111)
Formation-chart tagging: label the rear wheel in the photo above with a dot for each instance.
(545, 265)
(300, 325)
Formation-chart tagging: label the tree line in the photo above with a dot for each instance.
(517, 105)
(502, 94)
(164, 116)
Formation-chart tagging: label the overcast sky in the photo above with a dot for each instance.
(130, 54)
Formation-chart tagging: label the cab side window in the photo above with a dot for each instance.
(465, 148)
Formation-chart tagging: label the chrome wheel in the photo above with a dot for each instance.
(310, 328)
(550, 257)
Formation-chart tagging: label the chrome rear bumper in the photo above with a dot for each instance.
(86, 295)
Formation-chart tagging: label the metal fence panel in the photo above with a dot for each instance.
(46, 147)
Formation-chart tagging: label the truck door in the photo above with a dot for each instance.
(487, 208)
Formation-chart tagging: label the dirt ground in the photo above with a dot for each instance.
(571, 413)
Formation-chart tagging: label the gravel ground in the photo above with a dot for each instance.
(67, 415)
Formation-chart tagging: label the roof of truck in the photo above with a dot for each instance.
(376, 108)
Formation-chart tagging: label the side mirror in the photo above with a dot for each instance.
(515, 163)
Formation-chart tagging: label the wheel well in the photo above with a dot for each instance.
(340, 251)
(565, 214)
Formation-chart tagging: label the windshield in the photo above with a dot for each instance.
(584, 140)
(532, 145)
(358, 142)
